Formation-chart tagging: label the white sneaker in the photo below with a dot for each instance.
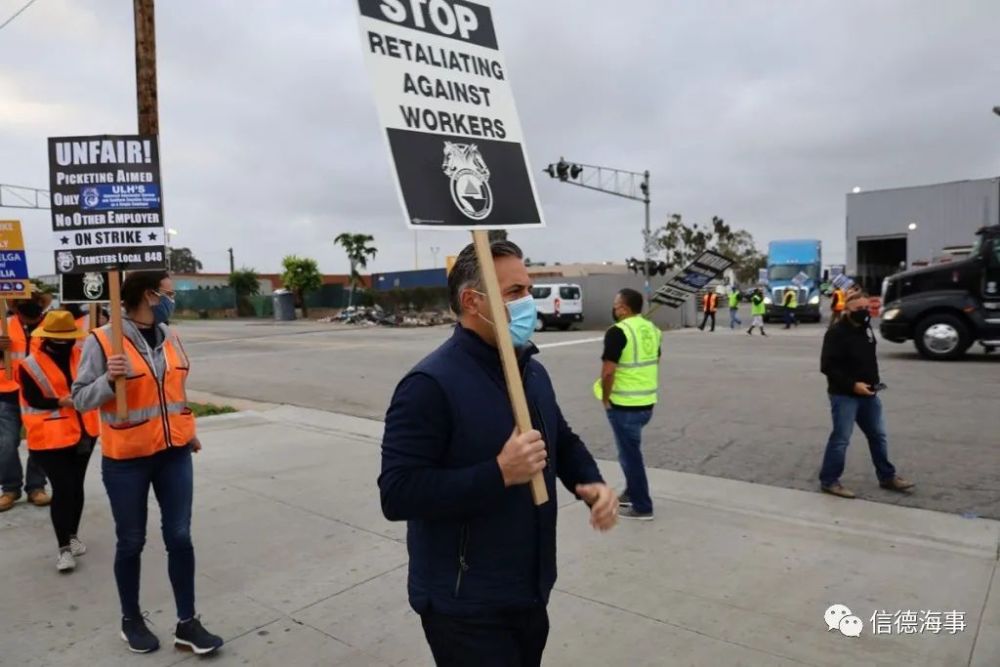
(76, 547)
(66, 562)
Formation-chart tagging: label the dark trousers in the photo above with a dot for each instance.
(12, 475)
(790, 318)
(866, 412)
(627, 426)
(513, 639)
(705, 320)
(66, 469)
(128, 481)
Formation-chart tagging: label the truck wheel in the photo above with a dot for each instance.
(539, 324)
(942, 337)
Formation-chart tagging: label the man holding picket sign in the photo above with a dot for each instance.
(474, 438)
(482, 555)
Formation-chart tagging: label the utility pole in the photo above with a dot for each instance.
(232, 262)
(147, 101)
(646, 236)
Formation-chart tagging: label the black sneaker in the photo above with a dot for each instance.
(624, 500)
(137, 635)
(630, 513)
(192, 636)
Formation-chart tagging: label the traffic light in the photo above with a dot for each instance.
(562, 170)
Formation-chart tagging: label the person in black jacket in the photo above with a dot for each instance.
(851, 368)
(482, 555)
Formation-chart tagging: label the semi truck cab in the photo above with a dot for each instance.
(793, 265)
(946, 308)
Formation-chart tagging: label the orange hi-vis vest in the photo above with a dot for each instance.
(839, 300)
(19, 346)
(59, 428)
(82, 323)
(711, 302)
(158, 414)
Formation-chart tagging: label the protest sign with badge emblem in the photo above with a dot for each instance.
(107, 209)
(454, 138)
(447, 109)
(84, 287)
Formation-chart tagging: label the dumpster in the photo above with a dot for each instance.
(284, 305)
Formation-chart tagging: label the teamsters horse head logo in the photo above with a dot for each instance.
(65, 261)
(93, 286)
(470, 179)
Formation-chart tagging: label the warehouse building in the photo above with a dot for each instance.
(889, 230)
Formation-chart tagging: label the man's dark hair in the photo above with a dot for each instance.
(465, 273)
(632, 299)
(137, 283)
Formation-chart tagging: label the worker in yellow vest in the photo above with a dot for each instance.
(709, 305)
(151, 447)
(17, 345)
(791, 302)
(59, 438)
(628, 390)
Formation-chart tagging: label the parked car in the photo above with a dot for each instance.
(559, 305)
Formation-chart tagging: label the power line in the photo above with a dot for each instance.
(17, 13)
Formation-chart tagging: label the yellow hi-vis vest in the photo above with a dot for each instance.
(791, 298)
(637, 375)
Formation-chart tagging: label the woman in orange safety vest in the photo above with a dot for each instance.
(59, 438)
(150, 447)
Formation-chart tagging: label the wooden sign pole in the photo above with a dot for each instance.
(3, 326)
(95, 311)
(117, 345)
(508, 357)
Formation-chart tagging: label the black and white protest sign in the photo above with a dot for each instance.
(447, 109)
(107, 206)
(693, 278)
(84, 287)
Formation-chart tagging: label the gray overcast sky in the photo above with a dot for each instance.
(765, 113)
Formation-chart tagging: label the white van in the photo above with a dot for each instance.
(559, 305)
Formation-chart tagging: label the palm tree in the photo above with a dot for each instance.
(358, 251)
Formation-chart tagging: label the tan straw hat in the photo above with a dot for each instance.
(59, 324)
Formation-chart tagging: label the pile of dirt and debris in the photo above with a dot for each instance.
(369, 316)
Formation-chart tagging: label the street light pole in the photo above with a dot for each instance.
(646, 236)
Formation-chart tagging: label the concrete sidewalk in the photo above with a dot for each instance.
(296, 566)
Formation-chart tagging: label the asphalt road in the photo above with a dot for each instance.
(733, 406)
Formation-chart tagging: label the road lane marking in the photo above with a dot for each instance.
(564, 343)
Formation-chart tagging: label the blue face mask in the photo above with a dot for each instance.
(523, 314)
(164, 310)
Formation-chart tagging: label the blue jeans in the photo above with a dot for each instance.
(627, 426)
(867, 413)
(11, 473)
(734, 318)
(127, 481)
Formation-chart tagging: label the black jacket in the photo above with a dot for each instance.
(475, 546)
(849, 357)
